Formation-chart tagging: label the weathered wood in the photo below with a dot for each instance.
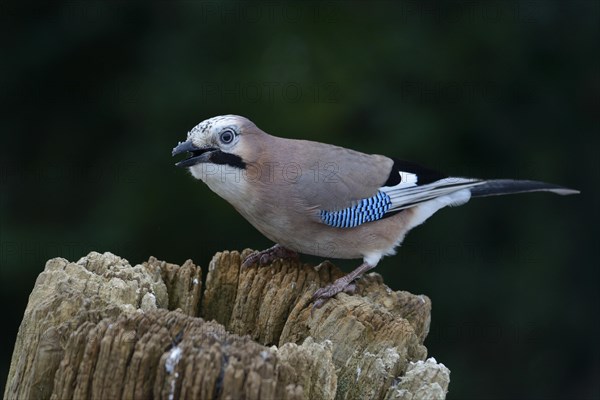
(101, 328)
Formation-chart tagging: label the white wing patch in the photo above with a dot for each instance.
(407, 179)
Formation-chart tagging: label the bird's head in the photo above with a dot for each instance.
(222, 140)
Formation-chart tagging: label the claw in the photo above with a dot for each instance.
(344, 284)
(251, 259)
(266, 256)
(350, 289)
(325, 293)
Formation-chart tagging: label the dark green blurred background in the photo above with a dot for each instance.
(96, 93)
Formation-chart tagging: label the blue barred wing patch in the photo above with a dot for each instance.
(365, 210)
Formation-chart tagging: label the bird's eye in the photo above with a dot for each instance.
(226, 136)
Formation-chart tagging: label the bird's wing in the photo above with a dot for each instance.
(407, 185)
(318, 176)
(345, 188)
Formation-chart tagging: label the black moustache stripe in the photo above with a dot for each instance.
(222, 158)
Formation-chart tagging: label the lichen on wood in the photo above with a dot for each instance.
(101, 328)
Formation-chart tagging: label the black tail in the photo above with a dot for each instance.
(496, 187)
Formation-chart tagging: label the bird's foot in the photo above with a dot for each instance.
(266, 256)
(344, 284)
(325, 293)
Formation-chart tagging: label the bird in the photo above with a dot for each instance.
(325, 200)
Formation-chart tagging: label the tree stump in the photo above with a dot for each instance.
(101, 328)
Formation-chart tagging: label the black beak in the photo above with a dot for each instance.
(197, 155)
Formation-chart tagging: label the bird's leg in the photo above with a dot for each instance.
(345, 283)
(268, 255)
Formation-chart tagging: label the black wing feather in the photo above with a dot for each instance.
(425, 175)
